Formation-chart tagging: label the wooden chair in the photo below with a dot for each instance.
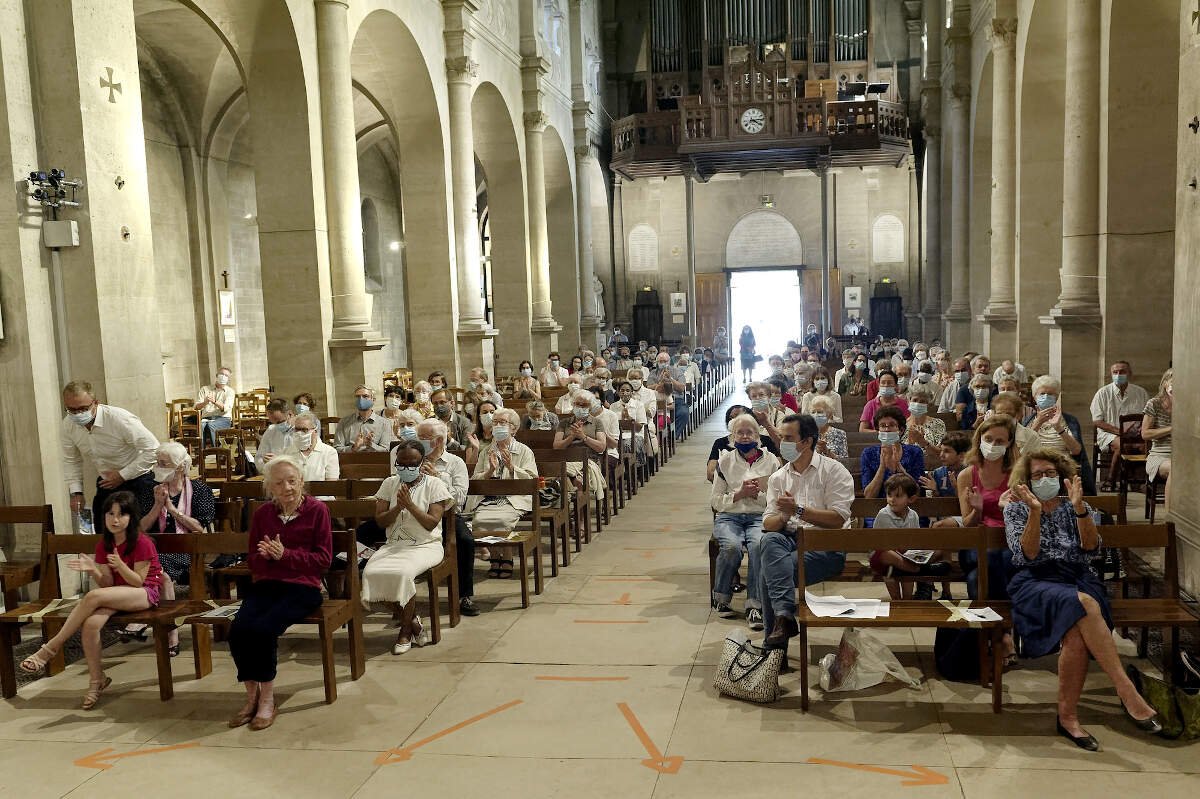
(558, 518)
(222, 468)
(528, 538)
(18, 573)
(329, 429)
(360, 471)
(362, 488)
(175, 408)
(445, 572)
(334, 613)
(581, 521)
(635, 475)
(189, 422)
(1131, 466)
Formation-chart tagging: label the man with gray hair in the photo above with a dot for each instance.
(364, 430)
(116, 442)
(451, 470)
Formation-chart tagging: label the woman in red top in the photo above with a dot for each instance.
(291, 546)
(129, 577)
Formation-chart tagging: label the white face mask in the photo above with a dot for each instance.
(163, 473)
(302, 439)
(422, 397)
(393, 402)
(301, 408)
(222, 379)
(637, 384)
(820, 384)
(83, 417)
(992, 452)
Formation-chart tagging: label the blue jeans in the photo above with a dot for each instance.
(681, 416)
(1000, 570)
(777, 574)
(209, 428)
(732, 531)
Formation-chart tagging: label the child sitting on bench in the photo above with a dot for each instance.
(891, 564)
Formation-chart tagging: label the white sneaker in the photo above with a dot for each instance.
(399, 648)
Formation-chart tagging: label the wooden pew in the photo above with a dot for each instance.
(18, 573)
(528, 540)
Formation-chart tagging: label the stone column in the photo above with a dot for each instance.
(1000, 316)
(1074, 322)
(622, 304)
(353, 346)
(914, 296)
(589, 323)
(545, 330)
(931, 208)
(958, 315)
(87, 102)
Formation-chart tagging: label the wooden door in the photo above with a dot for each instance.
(712, 306)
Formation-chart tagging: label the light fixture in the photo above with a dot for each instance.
(394, 246)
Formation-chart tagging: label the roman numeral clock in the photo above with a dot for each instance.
(753, 120)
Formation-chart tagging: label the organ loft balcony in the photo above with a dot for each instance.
(760, 115)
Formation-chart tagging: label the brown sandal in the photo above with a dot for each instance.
(245, 714)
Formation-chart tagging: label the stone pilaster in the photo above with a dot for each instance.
(592, 314)
(958, 316)
(1000, 316)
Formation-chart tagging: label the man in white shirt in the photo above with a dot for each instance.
(215, 404)
(318, 460)
(553, 373)
(119, 446)
(1119, 398)
(1011, 369)
(451, 470)
(278, 437)
(364, 430)
(810, 491)
(606, 420)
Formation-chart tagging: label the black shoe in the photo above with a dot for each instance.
(785, 628)
(923, 591)
(723, 610)
(466, 606)
(1083, 742)
(936, 569)
(1151, 725)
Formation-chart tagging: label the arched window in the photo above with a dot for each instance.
(763, 238)
(372, 257)
(887, 240)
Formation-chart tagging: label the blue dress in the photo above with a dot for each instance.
(912, 458)
(1045, 591)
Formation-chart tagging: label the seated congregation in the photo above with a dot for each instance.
(260, 514)
(985, 479)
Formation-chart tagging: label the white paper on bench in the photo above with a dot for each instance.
(842, 608)
(492, 539)
(981, 614)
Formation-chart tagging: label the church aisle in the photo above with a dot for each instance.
(602, 688)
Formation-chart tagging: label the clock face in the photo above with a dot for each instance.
(754, 120)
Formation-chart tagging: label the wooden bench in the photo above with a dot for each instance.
(558, 519)
(335, 612)
(16, 574)
(528, 542)
(903, 613)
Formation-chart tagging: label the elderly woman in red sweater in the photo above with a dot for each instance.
(291, 546)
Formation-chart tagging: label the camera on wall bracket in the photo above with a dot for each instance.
(53, 189)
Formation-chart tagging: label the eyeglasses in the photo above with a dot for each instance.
(1046, 473)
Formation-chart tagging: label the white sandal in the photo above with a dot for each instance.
(36, 663)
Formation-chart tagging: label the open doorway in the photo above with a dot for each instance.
(770, 302)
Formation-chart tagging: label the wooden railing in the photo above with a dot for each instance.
(867, 118)
(649, 136)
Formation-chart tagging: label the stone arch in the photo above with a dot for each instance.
(401, 121)
(499, 154)
(763, 238)
(566, 286)
(1137, 253)
(979, 214)
(1041, 95)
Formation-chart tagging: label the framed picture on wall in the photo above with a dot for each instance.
(678, 302)
(853, 296)
(228, 308)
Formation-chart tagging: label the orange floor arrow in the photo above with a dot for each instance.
(916, 776)
(406, 752)
(657, 761)
(624, 600)
(102, 759)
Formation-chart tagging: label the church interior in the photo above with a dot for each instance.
(462, 291)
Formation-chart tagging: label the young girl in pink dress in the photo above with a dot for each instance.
(128, 577)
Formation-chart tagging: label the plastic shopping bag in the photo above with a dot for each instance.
(862, 660)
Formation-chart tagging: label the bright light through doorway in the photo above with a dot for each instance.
(770, 302)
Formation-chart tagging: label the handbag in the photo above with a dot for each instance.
(1178, 708)
(747, 672)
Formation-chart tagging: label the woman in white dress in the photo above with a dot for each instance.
(409, 506)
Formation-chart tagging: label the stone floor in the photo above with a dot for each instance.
(602, 688)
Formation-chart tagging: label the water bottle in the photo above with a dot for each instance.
(85, 522)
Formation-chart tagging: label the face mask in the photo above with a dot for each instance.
(284, 427)
(408, 474)
(442, 409)
(962, 377)
(777, 369)
(861, 365)
(992, 452)
(1045, 401)
(774, 401)
(222, 380)
(486, 419)
(527, 372)
(821, 419)
(581, 413)
(1120, 380)
(364, 403)
(924, 377)
(1045, 488)
(301, 408)
(473, 385)
(887, 437)
(554, 362)
(759, 404)
(820, 385)
(802, 379)
(887, 391)
(427, 446)
(596, 405)
(163, 473)
(587, 364)
(422, 397)
(921, 356)
(918, 408)
(981, 394)
(500, 432)
(393, 402)
(902, 382)
(408, 434)
(83, 417)
(437, 386)
(745, 447)
(302, 438)
(790, 450)
(637, 384)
